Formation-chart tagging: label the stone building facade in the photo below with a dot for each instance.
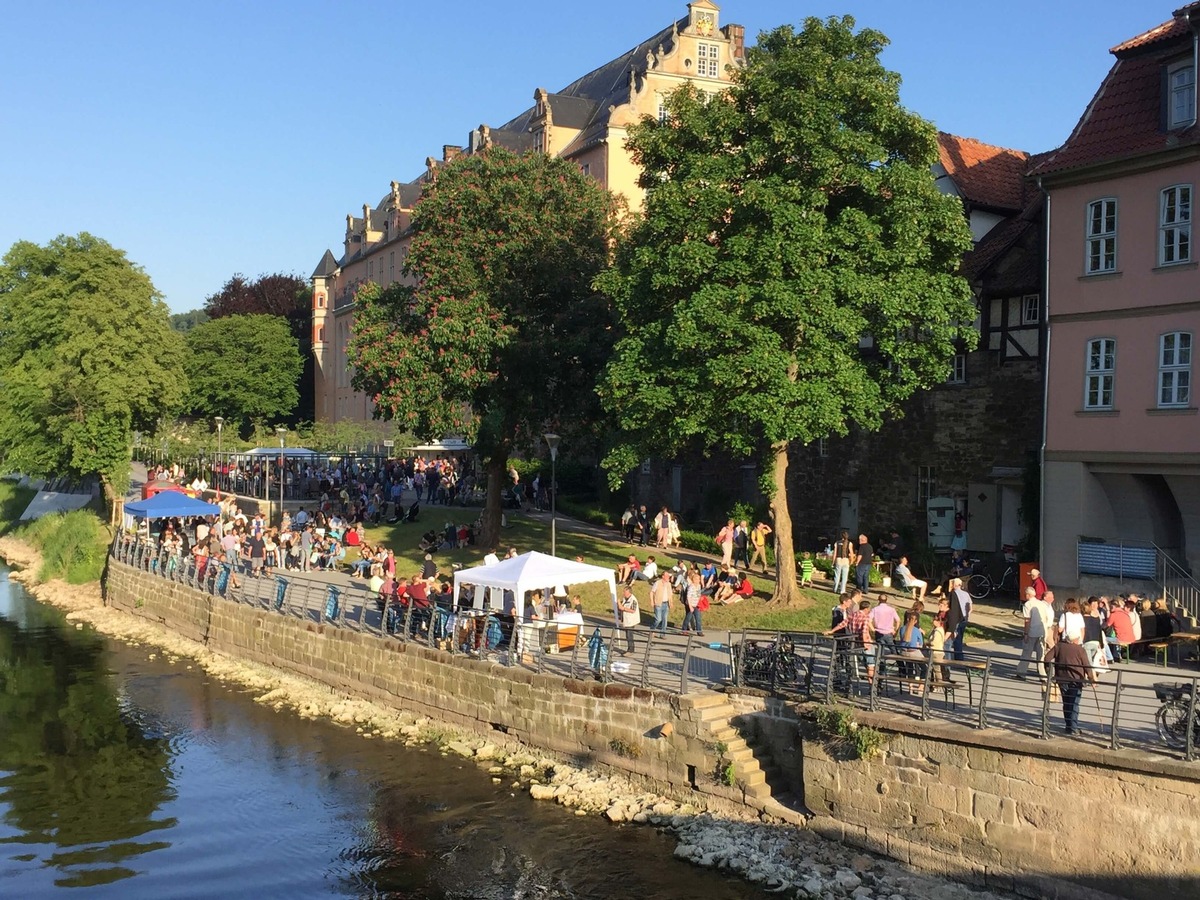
(585, 122)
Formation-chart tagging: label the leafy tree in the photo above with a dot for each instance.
(787, 222)
(86, 356)
(286, 296)
(503, 335)
(186, 321)
(243, 367)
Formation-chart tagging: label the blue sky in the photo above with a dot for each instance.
(211, 138)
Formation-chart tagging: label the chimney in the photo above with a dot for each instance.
(450, 152)
(366, 217)
(737, 40)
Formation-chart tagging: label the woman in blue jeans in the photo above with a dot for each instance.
(692, 598)
(843, 552)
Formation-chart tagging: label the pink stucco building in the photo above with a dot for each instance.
(1122, 439)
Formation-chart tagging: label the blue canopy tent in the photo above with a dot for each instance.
(169, 505)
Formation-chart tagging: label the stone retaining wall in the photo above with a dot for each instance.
(996, 808)
(610, 724)
(991, 807)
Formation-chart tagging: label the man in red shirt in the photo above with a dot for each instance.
(1122, 625)
(1039, 585)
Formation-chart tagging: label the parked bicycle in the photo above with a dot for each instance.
(773, 664)
(981, 584)
(1172, 716)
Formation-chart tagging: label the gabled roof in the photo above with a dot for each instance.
(1001, 239)
(1124, 118)
(1176, 27)
(985, 175)
(326, 267)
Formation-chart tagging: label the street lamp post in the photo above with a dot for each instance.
(220, 423)
(552, 441)
(282, 432)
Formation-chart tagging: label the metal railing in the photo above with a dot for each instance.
(981, 690)
(595, 650)
(1180, 589)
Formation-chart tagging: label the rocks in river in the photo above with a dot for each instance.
(541, 792)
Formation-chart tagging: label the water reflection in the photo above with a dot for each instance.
(263, 803)
(80, 783)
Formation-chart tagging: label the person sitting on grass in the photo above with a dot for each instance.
(734, 589)
(626, 569)
(648, 572)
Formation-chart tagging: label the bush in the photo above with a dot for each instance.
(587, 513)
(837, 726)
(73, 545)
(695, 540)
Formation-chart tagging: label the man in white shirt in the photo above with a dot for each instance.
(491, 559)
(648, 572)
(1039, 619)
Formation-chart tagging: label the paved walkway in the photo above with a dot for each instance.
(1125, 694)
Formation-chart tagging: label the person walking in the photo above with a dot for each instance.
(959, 615)
(1039, 618)
(758, 540)
(1071, 669)
(725, 540)
(843, 552)
(741, 545)
(661, 596)
(693, 597)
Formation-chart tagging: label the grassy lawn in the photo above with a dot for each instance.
(529, 534)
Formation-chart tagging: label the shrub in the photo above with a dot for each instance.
(624, 748)
(698, 541)
(582, 511)
(73, 545)
(837, 726)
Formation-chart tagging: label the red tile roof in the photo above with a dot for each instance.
(985, 175)
(1124, 119)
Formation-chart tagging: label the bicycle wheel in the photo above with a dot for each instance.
(1171, 722)
(979, 586)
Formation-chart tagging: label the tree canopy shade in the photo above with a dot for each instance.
(502, 334)
(286, 296)
(86, 356)
(793, 272)
(243, 367)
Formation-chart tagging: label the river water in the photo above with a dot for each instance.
(133, 777)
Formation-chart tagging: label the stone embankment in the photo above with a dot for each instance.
(782, 859)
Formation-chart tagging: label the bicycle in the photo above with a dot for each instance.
(1171, 717)
(981, 585)
(774, 664)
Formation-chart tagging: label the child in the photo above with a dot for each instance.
(806, 569)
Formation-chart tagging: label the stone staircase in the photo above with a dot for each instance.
(757, 781)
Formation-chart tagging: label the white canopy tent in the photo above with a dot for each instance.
(532, 571)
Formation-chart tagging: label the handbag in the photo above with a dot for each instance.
(702, 606)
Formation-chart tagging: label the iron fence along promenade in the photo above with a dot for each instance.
(1130, 706)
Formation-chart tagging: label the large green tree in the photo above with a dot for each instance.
(243, 368)
(503, 334)
(277, 294)
(793, 273)
(87, 355)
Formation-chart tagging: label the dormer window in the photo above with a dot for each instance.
(1181, 98)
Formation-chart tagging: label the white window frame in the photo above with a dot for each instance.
(1100, 246)
(1181, 95)
(1175, 225)
(926, 484)
(663, 114)
(822, 448)
(958, 369)
(708, 60)
(1100, 373)
(1031, 309)
(1174, 369)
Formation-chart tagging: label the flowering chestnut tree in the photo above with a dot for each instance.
(499, 334)
(794, 271)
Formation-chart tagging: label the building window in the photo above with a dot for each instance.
(1031, 309)
(370, 269)
(663, 115)
(646, 466)
(709, 56)
(586, 169)
(822, 448)
(1175, 225)
(391, 266)
(1175, 369)
(1181, 104)
(925, 485)
(958, 369)
(1102, 236)
(1101, 370)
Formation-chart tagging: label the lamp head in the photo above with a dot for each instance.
(552, 441)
